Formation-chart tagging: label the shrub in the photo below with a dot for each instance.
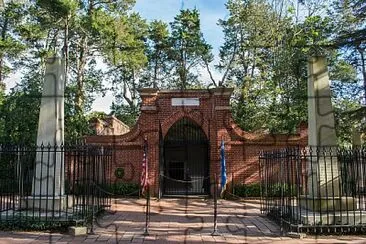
(115, 189)
(250, 190)
(277, 189)
(125, 189)
(31, 224)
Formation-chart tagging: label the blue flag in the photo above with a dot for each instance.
(223, 167)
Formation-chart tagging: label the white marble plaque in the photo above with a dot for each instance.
(185, 101)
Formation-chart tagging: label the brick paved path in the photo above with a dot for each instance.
(178, 221)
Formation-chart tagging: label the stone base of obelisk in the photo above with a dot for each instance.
(328, 210)
(331, 204)
(46, 203)
(309, 217)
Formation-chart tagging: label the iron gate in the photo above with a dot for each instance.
(184, 160)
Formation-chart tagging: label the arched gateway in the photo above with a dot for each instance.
(184, 160)
(184, 129)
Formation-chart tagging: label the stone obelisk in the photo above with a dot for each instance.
(322, 134)
(48, 183)
(324, 179)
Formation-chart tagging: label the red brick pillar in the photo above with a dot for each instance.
(221, 115)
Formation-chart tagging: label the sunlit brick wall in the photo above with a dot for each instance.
(213, 115)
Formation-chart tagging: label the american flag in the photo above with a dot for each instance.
(144, 174)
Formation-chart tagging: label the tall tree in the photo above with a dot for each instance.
(264, 56)
(157, 51)
(90, 32)
(253, 32)
(11, 45)
(86, 33)
(19, 111)
(189, 49)
(350, 39)
(170, 62)
(126, 59)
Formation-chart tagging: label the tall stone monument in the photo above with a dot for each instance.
(324, 179)
(321, 130)
(48, 183)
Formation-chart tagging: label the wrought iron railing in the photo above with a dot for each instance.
(315, 189)
(47, 185)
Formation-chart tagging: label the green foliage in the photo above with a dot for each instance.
(158, 69)
(117, 189)
(33, 224)
(59, 8)
(11, 44)
(260, 61)
(275, 190)
(23, 102)
(119, 173)
(80, 29)
(2, 99)
(125, 55)
(263, 56)
(345, 121)
(250, 190)
(125, 189)
(278, 190)
(76, 127)
(170, 61)
(122, 39)
(127, 114)
(343, 71)
(188, 49)
(349, 31)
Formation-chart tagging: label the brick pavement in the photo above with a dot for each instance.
(178, 221)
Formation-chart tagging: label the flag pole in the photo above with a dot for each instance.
(147, 213)
(222, 182)
(215, 232)
(147, 217)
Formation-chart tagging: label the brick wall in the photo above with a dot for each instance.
(108, 126)
(213, 115)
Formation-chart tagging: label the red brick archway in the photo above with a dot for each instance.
(211, 110)
(184, 159)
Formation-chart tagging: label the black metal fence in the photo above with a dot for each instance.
(45, 186)
(315, 189)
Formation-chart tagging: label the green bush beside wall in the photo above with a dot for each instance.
(250, 190)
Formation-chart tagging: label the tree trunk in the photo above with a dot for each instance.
(155, 83)
(182, 71)
(83, 54)
(361, 51)
(66, 48)
(3, 35)
(79, 96)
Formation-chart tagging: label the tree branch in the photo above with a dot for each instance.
(128, 100)
(229, 65)
(209, 72)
